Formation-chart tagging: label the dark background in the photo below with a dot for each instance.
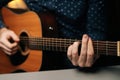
(112, 12)
(113, 19)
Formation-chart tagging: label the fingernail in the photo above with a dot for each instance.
(85, 36)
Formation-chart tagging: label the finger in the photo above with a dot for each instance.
(8, 44)
(83, 52)
(7, 52)
(3, 47)
(90, 54)
(69, 52)
(14, 50)
(14, 37)
(75, 53)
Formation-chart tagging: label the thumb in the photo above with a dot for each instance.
(14, 37)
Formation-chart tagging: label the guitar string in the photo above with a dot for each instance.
(64, 43)
(59, 41)
(55, 41)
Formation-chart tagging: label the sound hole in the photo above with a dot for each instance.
(22, 53)
(24, 42)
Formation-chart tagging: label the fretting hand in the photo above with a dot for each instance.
(86, 57)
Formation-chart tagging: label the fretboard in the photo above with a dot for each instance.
(59, 44)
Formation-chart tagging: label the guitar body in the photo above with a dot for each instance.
(25, 24)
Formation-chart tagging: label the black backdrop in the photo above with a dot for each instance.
(112, 12)
(113, 19)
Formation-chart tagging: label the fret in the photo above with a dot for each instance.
(106, 47)
(97, 47)
(37, 42)
(48, 44)
(56, 48)
(42, 43)
(60, 45)
(64, 45)
(52, 44)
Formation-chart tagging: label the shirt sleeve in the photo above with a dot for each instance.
(96, 21)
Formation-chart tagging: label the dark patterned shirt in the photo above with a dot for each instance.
(75, 17)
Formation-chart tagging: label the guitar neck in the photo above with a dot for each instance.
(59, 44)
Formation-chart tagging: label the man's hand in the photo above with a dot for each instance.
(86, 57)
(5, 45)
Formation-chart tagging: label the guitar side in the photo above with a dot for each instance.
(30, 24)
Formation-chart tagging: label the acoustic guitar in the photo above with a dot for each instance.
(29, 27)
